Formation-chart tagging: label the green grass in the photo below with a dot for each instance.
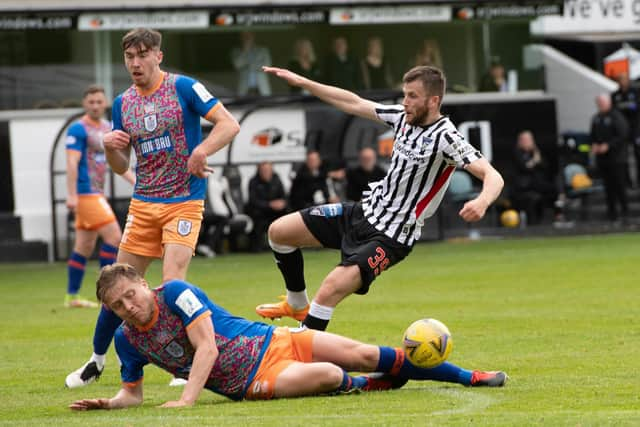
(559, 315)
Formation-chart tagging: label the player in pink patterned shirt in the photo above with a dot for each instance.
(179, 329)
(86, 170)
(159, 117)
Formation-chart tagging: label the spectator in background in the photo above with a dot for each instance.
(248, 61)
(336, 179)
(428, 54)
(304, 62)
(267, 201)
(309, 187)
(533, 190)
(376, 73)
(627, 100)
(495, 79)
(609, 133)
(359, 177)
(341, 69)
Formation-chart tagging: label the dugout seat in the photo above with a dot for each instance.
(581, 194)
(220, 201)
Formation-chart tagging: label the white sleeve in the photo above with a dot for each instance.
(390, 114)
(458, 150)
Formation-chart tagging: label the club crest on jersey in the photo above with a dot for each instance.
(151, 122)
(174, 349)
(184, 227)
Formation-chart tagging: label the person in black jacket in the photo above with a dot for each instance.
(309, 187)
(359, 177)
(609, 132)
(267, 201)
(627, 100)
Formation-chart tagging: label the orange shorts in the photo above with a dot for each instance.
(92, 212)
(151, 226)
(287, 346)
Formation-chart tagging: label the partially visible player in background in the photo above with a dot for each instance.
(86, 171)
(179, 329)
(159, 117)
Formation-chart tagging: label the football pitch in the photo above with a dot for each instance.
(559, 315)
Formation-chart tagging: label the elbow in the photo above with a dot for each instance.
(234, 128)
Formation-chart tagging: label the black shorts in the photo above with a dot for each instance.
(343, 226)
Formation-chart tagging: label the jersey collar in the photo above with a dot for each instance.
(154, 317)
(154, 88)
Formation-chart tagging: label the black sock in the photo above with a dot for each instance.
(291, 266)
(316, 323)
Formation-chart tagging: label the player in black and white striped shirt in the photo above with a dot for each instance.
(380, 231)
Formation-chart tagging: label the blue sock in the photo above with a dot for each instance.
(106, 326)
(350, 383)
(75, 269)
(446, 372)
(393, 361)
(107, 255)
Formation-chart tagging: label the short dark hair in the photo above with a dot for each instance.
(91, 89)
(109, 276)
(432, 79)
(146, 37)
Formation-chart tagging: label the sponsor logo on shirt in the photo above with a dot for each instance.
(70, 140)
(155, 144)
(188, 302)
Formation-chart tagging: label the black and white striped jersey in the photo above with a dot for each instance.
(423, 160)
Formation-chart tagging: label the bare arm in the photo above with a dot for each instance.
(73, 159)
(126, 397)
(492, 184)
(117, 149)
(342, 99)
(202, 337)
(129, 176)
(225, 128)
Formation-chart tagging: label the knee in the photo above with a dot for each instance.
(333, 378)
(276, 232)
(84, 248)
(371, 356)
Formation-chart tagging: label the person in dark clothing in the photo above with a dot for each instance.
(533, 190)
(304, 62)
(627, 100)
(376, 72)
(609, 132)
(359, 177)
(309, 186)
(267, 202)
(342, 69)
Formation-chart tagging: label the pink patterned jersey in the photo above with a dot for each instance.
(86, 137)
(241, 343)
(164, 127)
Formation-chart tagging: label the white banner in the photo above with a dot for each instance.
(590, 17)
(271, 135)
(155, 20)
(389, 14)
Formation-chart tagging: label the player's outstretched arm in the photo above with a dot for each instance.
(342, 99)
(126, 397)
(492, 184)
(203, 339)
